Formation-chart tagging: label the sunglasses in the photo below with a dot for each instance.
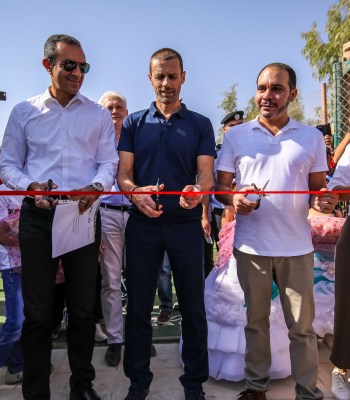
(69, 66)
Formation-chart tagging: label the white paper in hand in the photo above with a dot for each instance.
(71, 230)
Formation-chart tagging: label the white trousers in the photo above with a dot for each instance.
(113, 239)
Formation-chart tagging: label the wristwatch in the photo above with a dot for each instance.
(97, 186)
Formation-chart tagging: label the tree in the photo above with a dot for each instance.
(251, 110)
(229, 103)
(296, 109)
(321, 54)
(316, 120)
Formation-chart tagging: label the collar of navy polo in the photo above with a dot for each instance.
(155, 112)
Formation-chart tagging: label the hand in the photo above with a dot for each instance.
(325, 202)
(85, 200)
(328, 141)
(145, 203)
(241, 204)
(42, 201)
(192, 200)
(206, 226)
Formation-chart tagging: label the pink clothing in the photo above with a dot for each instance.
(12, 221)
(225, 244)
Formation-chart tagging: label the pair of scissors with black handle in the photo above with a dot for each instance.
(49, 188)
(261, 195)
(157, 195)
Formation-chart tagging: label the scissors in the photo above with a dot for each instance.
(49, 188)
(157, 196)
(261, 195)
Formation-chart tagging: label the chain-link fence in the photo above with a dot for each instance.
(341, 92)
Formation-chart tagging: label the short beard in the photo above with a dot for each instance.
(165, 100)
(279, 111)
(283, 108)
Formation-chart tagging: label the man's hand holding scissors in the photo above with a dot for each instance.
(145, 203)
(42, 201)
(245, 203)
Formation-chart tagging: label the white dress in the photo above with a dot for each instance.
(226, 316)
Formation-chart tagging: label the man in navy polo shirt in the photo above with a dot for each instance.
(175, 147)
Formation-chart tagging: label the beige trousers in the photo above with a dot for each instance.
(294, 278)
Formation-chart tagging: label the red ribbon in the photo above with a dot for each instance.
(229, 192)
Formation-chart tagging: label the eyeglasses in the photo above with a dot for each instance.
(70, 66)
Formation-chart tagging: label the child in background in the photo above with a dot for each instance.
(10, 267)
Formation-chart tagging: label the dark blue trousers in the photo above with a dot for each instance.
(38, 286)
(146, 241)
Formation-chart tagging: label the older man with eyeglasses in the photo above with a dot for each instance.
(63, 138)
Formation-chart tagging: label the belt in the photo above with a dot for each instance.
(55, 197)
(59, 196)
(119, 208)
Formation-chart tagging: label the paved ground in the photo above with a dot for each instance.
(112, 384)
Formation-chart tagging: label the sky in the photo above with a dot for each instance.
(222, 42)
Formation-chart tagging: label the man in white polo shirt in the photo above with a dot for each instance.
(272, 238)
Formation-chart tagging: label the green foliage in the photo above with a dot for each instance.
(316, 120)
(321, 54)
(229, 103)
(219, 137)
(251, 110)
(296, 109)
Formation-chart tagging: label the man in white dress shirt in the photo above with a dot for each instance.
(62, 136)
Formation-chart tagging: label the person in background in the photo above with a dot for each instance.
(10, 267)
(328, 140)
(114, 215)
(213, 210)
(232, 119)
(58, 140)
(339, 150)
(328, 136)
(340, 355)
